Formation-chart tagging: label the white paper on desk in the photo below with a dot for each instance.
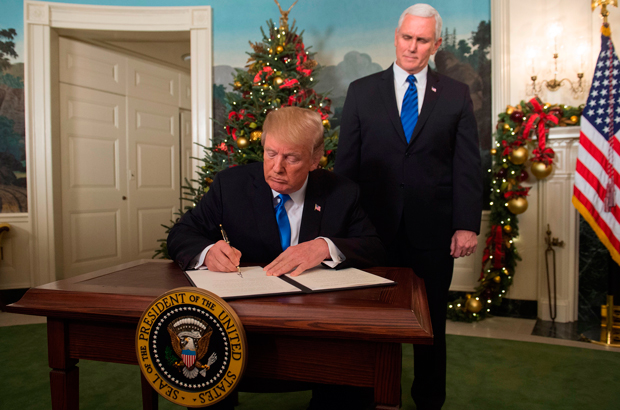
(324, 279)
(229, 284)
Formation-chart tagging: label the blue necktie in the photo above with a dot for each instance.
(409, 110)
(283, 223)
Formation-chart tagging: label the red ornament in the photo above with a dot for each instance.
(517, 117)
(523, 176)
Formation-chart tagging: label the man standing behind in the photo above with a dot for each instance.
(283, 212)
(408, 136)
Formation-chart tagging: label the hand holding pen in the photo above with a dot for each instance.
(225, 237)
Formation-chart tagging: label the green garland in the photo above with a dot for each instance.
(514, 132)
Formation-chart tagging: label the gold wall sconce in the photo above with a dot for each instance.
(579, 55)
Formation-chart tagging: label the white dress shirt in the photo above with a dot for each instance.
(401, 85)
(294, 209)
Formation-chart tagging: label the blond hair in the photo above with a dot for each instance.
(295, 126)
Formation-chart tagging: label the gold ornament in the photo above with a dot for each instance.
(574, 119)
(497, 279)
(468, 296)
(506, 127)
(547, 105)
(510, 109)
(326, 124)
(518, 156)
(517, 205)
(278, 81)
(493, 151)
(279, 49)
(271, 51)
(507, 228)
(237, 84)
(473, 305)
(323, 161)
(242, 142)
(541, 170)
(255, 135)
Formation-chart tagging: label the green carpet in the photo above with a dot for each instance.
(482, 374)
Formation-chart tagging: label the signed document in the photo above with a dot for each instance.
(317, 279)
(229, 285)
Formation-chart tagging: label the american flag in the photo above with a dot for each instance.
(596, 194)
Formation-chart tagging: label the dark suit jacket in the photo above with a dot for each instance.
(241, 200)
(434, 183)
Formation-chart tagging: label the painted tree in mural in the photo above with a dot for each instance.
(280, 72)
(7, 47)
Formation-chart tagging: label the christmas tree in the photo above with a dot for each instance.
(280, 72)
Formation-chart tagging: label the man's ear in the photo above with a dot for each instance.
(316, 158)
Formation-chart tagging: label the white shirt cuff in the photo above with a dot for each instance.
(337, 256)
(201, 258)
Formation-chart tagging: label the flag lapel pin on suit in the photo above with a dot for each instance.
(434, 89)
(317, 207)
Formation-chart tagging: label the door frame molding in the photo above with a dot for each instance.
(41, 101)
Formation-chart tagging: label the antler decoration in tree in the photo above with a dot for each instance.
(284, 17)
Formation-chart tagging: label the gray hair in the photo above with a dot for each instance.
(423, 10)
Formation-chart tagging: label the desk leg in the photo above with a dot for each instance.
(149, 395)
(387, 376)
(64, 376)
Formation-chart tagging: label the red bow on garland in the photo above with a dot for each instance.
(495, 242)
(509, 146)
(517, 192)
(542, 121)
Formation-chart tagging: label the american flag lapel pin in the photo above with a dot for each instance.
(434, 89)
(317, 207)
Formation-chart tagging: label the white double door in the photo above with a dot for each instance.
(120, 170)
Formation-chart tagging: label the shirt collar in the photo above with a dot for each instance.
(297, 196)
(401, 75)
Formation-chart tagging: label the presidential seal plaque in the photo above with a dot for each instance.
(191, 347)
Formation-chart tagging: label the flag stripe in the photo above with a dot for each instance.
(606, 232)
(614, 252)
(599, 172)
(598, 189)
(600, 157)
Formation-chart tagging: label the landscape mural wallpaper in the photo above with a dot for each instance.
(351, 39)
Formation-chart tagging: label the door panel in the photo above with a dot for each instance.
(186, 149)
(153, 159)
(152, 82)
(94, 178)
(92, 67)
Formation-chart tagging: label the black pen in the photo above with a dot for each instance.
(228, 242)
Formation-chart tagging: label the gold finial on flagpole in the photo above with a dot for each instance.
(604, 4)
(284, 14)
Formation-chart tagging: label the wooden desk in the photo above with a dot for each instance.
(347, 337)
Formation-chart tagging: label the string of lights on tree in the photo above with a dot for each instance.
(280, 72)
(518, 130)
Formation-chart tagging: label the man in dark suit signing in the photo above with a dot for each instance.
(283, 212)
(408, 136)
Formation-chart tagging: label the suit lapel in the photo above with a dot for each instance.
(430, 99)
(389, 101)
(313, 209)
(264, 215)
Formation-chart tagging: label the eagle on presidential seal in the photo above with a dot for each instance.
(190, 338)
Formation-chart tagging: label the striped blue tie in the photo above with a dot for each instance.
(283, 223)
(409, 110)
